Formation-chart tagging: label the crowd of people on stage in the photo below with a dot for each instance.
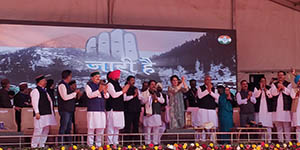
(112, 107)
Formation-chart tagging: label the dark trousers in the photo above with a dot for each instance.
(65, 125)
(245, 119)
(132, 125)
(18, 119)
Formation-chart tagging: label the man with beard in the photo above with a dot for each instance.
(152, 118)
(132, 109)
(115, 111)
(191, 95)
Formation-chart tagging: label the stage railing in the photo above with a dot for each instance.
(167, 138)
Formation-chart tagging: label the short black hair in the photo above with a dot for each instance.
(152, 81)
(244, 81)
(281, 72)
(72, 82)
(50, 82)
(174, 76)
(263, 78)
(65, 74)
(11, 93)
(192, 80)
(129, 78)
(4, 83)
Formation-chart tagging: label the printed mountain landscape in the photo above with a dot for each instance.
(192, 59)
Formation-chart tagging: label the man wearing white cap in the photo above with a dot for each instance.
(21, 99)
(43, 113)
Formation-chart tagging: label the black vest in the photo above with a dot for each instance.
(115, 104)
(287, 100)
(65, 106)
(246, 108)
(44, 104)
(207, 102)
(133, 105)
(191, 97)
(269, 101)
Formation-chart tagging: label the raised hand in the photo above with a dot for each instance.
(125, 88)
(182, 79)
(105, 88)
(249, 95)
(136, 93)
(101, 87)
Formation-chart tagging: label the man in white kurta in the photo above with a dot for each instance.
(96, 118)
(152, 119)
(115, 107)
(43, 113)
(295, 94)
(208, 100)
(264, 116)
(282, 114)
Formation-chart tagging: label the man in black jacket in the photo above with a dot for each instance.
(22, 99)
(132, 109)
(4, 96)
(66, 103)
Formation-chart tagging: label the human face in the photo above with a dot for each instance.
(263, 82)
(152, 86)
(69, 78)
(96, 79)
(159, 88)
(145, 85)
(207, 80)
(73, 86)
(227, 91)
(281, 76)
(174, 81)
(43, 83)
(193, 84)
(244, 85)
(131, 81)
(220, 90)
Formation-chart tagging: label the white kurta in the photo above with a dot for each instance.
(194, 115)
(281, 115)
(263, 116)
(155, 119)
(207, 115)
(115, 119)
(152, 121)
(45, 120)
(95, 119)
(295, 115)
